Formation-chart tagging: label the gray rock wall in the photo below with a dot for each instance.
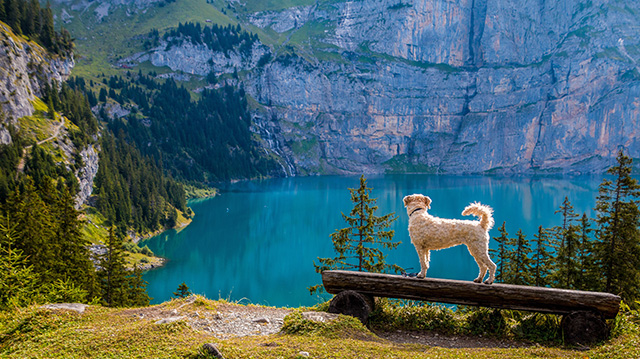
(463, 86)
(24, 68)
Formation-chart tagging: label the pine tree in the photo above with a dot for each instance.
(3, 13)
(520, 261)
(51, 112)
(501, 254)
(73, 256)
(48, 34)
(568, 246)
(34, 228)
(182, 291)
(12, 9)
(138, 296)
(112, 273)
(19, 283)
(589, 277)
(357, 245)
(617, 245)
(541, 260)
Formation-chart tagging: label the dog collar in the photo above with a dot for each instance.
(415, 210)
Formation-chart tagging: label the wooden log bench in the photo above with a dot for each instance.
(584, 313)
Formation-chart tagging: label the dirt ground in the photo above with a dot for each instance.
(231, 320)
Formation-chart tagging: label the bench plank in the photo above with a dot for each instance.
(505, 296)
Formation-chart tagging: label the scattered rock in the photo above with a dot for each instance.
(304, 354)
(320, 317)
(262, 321)
(76, 307)
(169, 320)
(212, 350)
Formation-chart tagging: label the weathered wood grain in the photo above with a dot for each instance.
(506, 296)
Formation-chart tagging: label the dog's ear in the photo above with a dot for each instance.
(407, 200)
(427, 201)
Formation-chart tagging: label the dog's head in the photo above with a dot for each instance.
(414, 201)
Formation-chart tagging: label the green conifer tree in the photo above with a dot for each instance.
(138, 296)
(358, 244)
(12, 9)
(501, 255)
(34, 228)
(568, 246)
(3, 13)
(520, 260)
(541, 261)
(51, 112)
(48, 34)
(18, 282)
(73, 256)
(588, 277)
(112, 273)
(617, 245)
(182, 291)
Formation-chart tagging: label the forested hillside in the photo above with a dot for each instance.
(152, 135)
(206, 140)
(28, 18)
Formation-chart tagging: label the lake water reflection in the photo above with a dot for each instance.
(258, 239)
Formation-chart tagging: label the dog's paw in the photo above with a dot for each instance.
(420, 275)
(477, 280)
(488, 282)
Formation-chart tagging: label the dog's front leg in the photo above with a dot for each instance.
(424, 262)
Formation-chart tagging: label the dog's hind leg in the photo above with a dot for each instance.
(479, 257)
(492, 270)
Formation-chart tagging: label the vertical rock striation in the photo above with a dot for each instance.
(466, 86)
(24, 69)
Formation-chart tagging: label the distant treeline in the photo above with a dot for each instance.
(216, 38)
(28, 18)
(595, 254)
(204, 140)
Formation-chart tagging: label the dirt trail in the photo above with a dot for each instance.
(54, 135)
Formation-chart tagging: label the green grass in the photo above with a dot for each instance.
(38, 126)
(98, 333)
(304, 146)
(95, 226)
(271, 5)
(132, 333)
(98, 51)
(403, 164)
(199, 191)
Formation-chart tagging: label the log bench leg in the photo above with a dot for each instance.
(350, 302)
(584, 328)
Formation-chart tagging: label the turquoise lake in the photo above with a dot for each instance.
(256, 241)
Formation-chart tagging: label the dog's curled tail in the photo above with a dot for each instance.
(484, 212)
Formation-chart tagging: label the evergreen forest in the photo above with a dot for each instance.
(30, 19)
(216, 38)
(594, 254)
(204, 140)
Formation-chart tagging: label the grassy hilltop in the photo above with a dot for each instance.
(179, 328)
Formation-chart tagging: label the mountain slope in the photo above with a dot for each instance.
(413, 85)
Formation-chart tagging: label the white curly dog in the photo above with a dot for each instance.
(431, 233)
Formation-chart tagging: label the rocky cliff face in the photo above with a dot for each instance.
(453, 86)
(199, 59)
(459, 86)
(24, 69)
